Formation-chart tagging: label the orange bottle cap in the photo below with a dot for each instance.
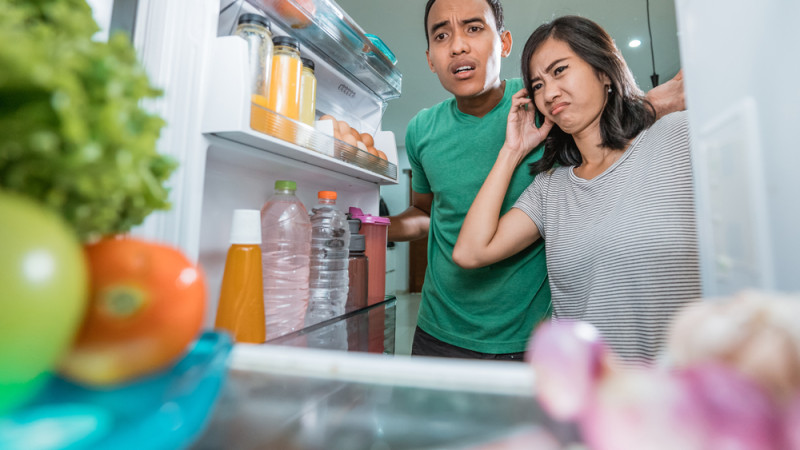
(330, 195)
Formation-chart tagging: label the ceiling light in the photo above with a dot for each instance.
(634, 43)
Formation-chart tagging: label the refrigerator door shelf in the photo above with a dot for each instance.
(230, 114)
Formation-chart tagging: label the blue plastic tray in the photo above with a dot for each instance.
(164, 411)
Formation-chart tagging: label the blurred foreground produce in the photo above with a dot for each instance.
(728, 381)
(44, 285)
(74, 135)
(146, 305)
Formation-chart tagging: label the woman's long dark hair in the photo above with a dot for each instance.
(626, 113)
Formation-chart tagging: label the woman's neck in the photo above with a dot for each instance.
(596, 158)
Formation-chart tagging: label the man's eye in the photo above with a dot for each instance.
(439, 36)
(474, 28)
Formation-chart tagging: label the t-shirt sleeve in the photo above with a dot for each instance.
(419, 181)
(531, 201)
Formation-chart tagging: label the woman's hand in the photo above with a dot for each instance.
(522, 136)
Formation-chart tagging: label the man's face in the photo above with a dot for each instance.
(464, 47)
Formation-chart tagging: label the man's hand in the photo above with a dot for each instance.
(668, 97)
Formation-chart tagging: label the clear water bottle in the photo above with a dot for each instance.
(285, 246)
(328, 277)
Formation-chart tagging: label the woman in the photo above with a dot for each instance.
(617, 214)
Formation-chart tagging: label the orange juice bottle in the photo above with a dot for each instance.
(241, 301)
(283, 94)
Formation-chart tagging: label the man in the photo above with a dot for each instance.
(486, 313)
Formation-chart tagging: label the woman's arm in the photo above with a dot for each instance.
(486, 238)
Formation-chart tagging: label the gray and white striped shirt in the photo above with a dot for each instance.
(622, 247)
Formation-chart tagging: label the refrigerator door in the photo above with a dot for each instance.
(744, 102)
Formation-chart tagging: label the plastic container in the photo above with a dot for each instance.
(357, 270)
(308, 92)
(255, 29)
(166, 410)
(283, 94)
(286, 246)
(240, 310)
(375, 230)
(328, 276)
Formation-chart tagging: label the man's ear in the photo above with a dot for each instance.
(506, 41)
(430, 63)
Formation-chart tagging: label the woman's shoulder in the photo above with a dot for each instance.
(671, 123)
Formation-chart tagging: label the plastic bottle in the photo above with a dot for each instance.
(328, 277)
(358, 273)
(308, 92)
(285, 244)
(241, 301)
(283, 93)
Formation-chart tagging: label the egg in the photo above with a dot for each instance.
(382, 155)
(372, 151)
(361, 146)
(350, 139)
(366, 138)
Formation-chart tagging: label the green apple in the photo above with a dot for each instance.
(43, 295)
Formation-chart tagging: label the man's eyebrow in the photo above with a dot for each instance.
(438, 25)
(549, 68)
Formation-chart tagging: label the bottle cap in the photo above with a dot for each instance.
(285, 40)
(255, 18)
(285, 185)
(307, 62)
(246, 227)
(330, 195)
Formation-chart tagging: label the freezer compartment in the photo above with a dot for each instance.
(229, 113)
(355, 78)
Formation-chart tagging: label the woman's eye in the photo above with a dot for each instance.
(559, 69)
(536, 86)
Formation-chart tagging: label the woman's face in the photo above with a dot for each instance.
(565, 88)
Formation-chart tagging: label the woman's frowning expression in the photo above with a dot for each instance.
(566, 89)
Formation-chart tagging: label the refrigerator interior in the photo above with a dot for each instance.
(224, 163)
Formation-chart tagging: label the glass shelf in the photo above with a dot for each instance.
(269, 122)
(324, 27)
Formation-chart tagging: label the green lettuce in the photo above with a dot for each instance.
(73, 133)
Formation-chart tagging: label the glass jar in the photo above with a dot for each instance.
(283, 94)
(255, 29)
(308, 92)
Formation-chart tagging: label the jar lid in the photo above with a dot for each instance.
(358, 243)
(307, 62)
(287, 41)
(286, 185)
(356, 213)
(256, 19)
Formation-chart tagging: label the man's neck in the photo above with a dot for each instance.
(481, 104)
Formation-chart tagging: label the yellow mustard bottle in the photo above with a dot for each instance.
(240, 310)
(283, 93)
(308, 92)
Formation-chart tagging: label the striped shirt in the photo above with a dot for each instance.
(622, 247)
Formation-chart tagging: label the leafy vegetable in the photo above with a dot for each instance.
(74, 134)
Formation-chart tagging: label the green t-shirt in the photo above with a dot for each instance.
(492, 309)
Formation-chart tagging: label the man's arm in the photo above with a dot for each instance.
(413, 223)
(668, 97)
